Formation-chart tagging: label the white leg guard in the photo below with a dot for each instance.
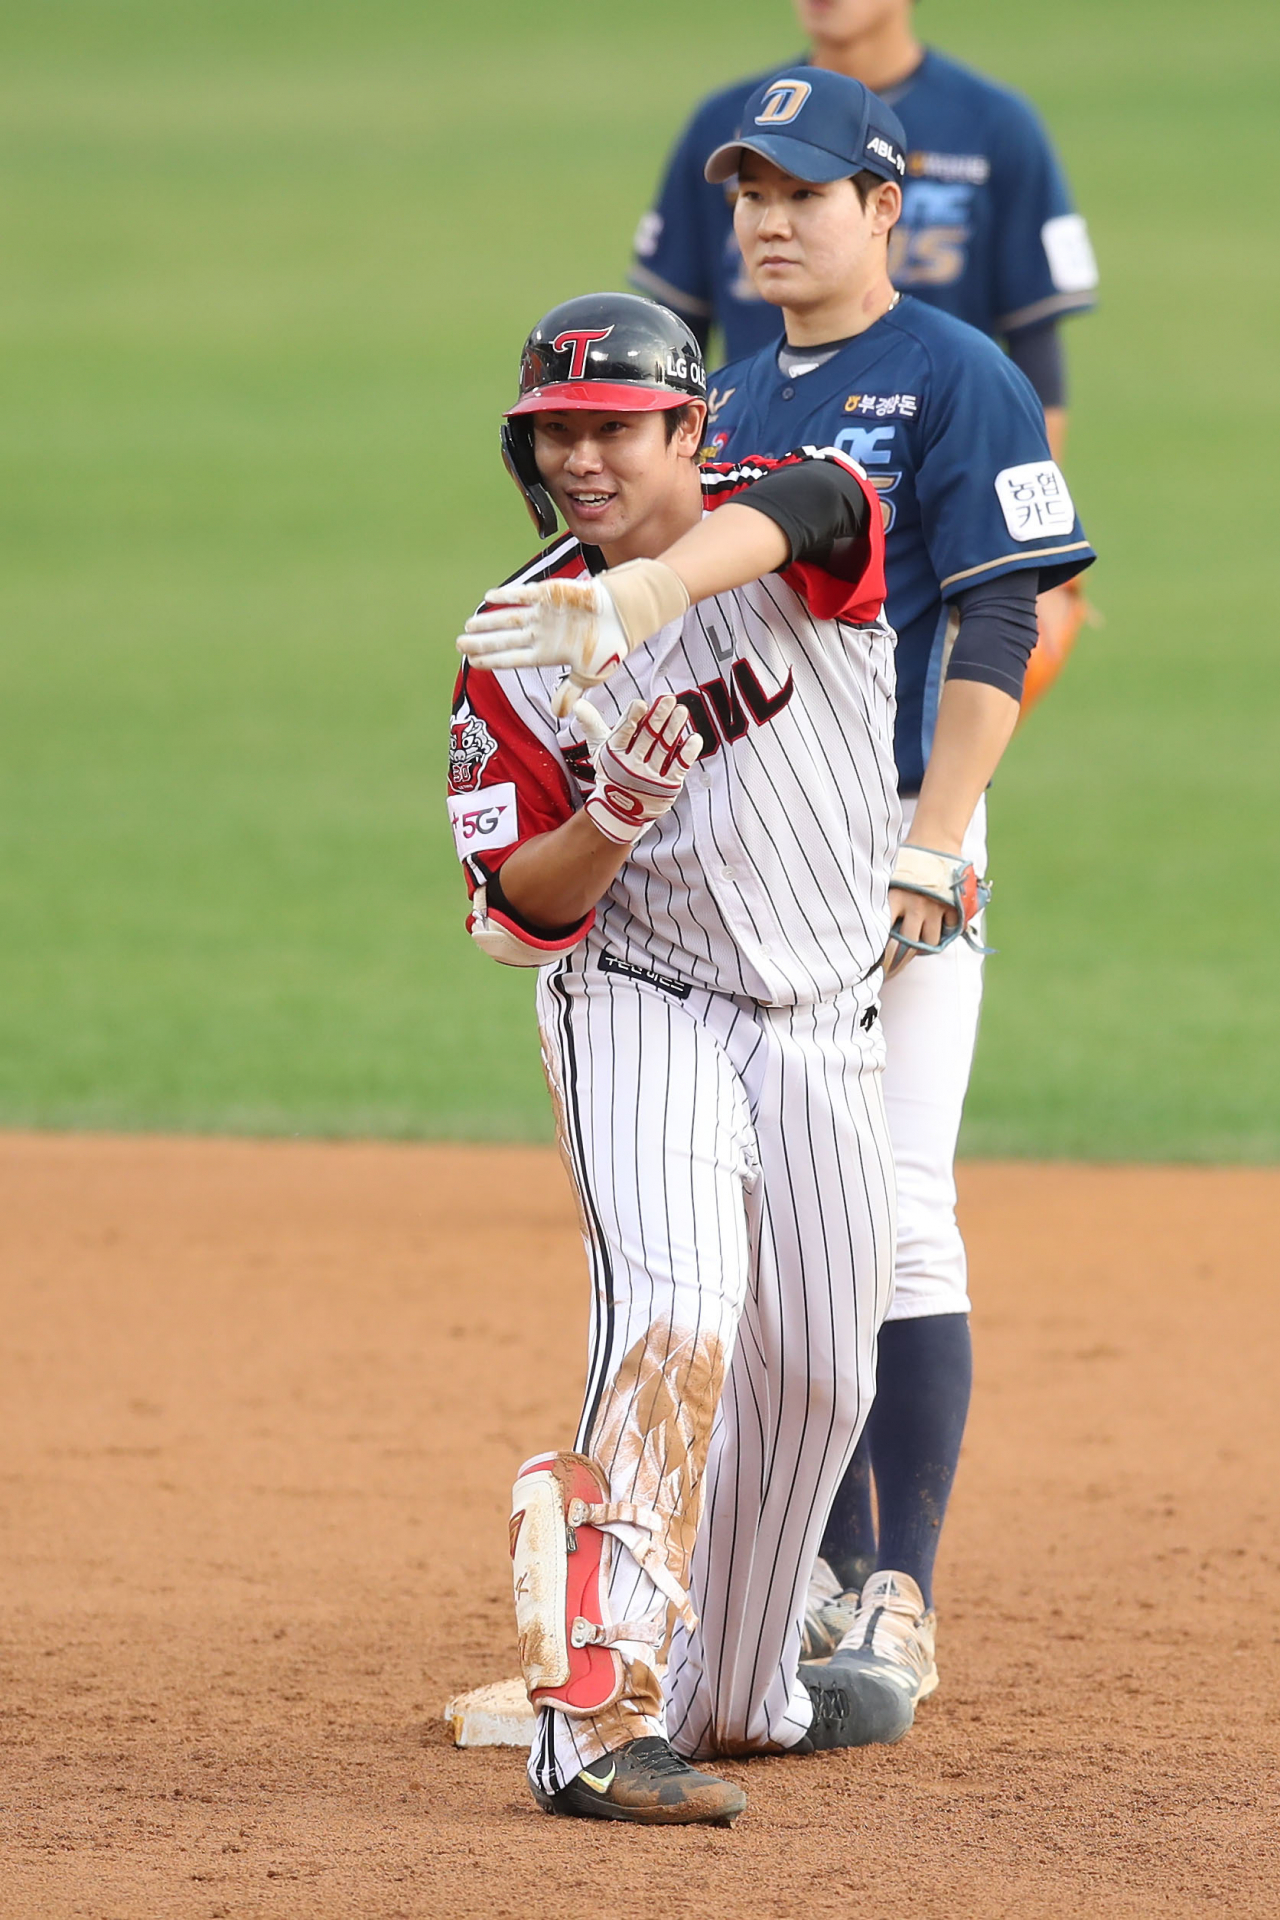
(562, 1554)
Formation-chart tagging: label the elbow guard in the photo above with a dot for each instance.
(511, 945)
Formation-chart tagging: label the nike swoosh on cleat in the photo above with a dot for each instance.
(600, 1781)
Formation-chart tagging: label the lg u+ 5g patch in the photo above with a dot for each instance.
(486, 819)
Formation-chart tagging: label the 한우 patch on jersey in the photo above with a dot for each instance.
(485, 820)
(1034, 500)
(471, 748)
(973, 169)
(1068, 250)
(903, 406)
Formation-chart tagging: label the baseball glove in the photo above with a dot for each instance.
(949, 879)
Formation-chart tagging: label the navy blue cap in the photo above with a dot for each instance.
(818, 126)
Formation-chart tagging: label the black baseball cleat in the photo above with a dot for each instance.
(647, 1783)
(854, 1708)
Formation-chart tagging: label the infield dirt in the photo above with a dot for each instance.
(262, 1408)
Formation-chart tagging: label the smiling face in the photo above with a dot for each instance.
(816, 251)
(617, 480)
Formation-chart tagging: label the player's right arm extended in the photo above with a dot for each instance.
(590, 626)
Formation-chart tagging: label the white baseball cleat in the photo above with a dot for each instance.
(828, 1614)
(883, 1667)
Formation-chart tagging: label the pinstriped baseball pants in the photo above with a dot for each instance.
(733, 1168)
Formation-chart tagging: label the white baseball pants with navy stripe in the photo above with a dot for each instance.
(734, 1171)
(930, 1015)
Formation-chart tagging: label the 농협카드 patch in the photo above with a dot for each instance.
(1067, 248)
(480, 821)
(1034, 500)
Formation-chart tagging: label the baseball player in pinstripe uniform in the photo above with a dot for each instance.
(672, 789)
(978, 520)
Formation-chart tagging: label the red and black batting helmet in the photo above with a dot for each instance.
(602, 353)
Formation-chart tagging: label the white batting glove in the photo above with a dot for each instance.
(589, 626)
(641, 768)
(557, 623)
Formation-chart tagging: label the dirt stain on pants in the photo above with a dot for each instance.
(651, 1438)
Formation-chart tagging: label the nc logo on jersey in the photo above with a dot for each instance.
(471, 748)
(580, 340)
(869, 446)
(783, 102)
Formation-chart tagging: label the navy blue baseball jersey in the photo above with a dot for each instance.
(952, 436)
(988, 231)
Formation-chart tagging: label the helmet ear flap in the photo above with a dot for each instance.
(517, 457)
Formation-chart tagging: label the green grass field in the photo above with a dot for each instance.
(266, 270)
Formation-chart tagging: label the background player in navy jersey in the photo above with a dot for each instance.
(988, 230)
(978, 518)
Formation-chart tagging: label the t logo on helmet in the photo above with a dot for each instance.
(580, 339)
(783, 102)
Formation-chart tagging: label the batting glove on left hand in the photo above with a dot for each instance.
(641, 768)
(589, 626)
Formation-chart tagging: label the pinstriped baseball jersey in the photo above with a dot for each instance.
(768, 878)
(712, 1047)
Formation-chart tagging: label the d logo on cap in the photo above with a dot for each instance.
(783, 102)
